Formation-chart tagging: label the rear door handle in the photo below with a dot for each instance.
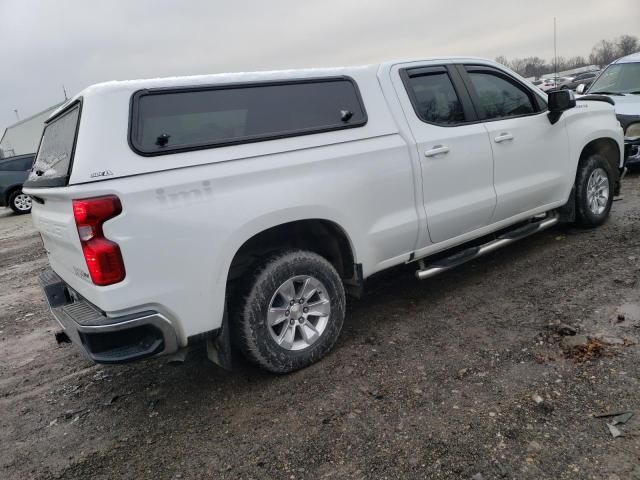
(503, 137)
(436, 150)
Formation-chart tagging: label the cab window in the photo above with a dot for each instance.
(498, 96)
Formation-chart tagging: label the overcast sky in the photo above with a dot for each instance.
(47, 43)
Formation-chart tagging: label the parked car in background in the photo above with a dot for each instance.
(620, 81)
(553, 82)
(239, 209)
(585, 78)
(13, 173)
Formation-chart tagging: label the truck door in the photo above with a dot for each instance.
(455, 154)
(530, 154)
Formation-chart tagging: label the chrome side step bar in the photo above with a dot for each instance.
(472, 253)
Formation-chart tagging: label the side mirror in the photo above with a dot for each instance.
(560, 101)
(581, 88)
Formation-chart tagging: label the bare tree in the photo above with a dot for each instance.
(576, 62)
(501, 59)
(627, 44)
(519, 65)
(604, 52)
(560, 64)
(534, 66)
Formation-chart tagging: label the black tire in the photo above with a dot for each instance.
(585, 216)
(15, 203)
(253, 336)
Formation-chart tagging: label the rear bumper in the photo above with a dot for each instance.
(107, 339)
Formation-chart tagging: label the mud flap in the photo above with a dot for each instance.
(219, 348)
(354, 287)
(618, 188)
(568, 210)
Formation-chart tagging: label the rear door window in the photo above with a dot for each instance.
(54, 157)
(194, 118)
(434, 97)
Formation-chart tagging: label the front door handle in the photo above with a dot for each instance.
(503, 137)
(436, 150)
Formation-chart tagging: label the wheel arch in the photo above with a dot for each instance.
(605, 146)
(320, 235)
(324, 237)
(610, 150)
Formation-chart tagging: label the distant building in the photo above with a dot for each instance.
(23, 137)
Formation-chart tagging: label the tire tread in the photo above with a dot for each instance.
(584, 217)
(254, 293)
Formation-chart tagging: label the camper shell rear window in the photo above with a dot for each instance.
(182, 119)
(53, 162)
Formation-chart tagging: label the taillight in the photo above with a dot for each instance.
(103, 256)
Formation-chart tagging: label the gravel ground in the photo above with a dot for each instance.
(460, 376)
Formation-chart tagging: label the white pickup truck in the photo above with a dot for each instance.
(238, 209)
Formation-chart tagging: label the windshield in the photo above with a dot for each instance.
(618, 79)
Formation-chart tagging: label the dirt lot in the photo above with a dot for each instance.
(453, 377)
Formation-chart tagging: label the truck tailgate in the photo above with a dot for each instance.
(48, 184)
(54, 219)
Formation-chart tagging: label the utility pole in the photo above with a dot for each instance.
(555, 49)
(65, 92)
(15, 110)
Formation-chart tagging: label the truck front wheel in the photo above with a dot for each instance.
(594, 191)
(290, 313)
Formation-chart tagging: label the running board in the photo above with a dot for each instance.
(472, 253)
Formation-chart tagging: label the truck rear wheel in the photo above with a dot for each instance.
(290, 313)
(594, 191)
